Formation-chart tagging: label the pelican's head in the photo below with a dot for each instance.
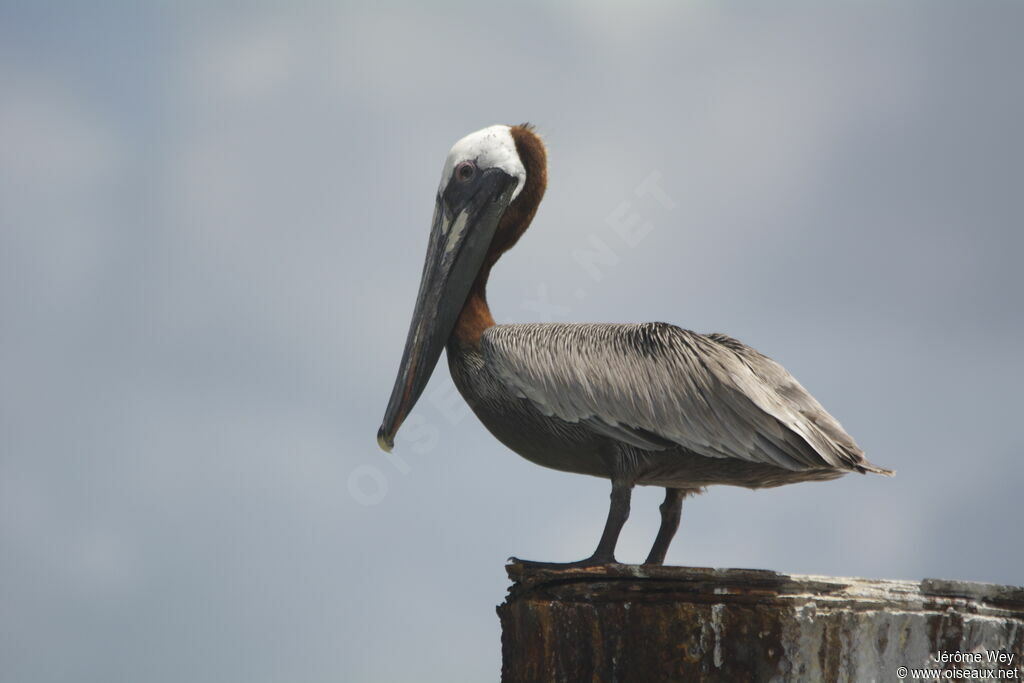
(491, 150)
(483, 175)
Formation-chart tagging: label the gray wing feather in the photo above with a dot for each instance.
(656, 386)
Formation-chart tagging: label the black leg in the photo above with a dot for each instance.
(671, 510)
(618, 512)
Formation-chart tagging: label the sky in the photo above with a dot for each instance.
(212, 225)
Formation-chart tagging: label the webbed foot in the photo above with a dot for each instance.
(592, 561)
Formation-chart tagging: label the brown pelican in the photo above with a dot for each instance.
(648, 404)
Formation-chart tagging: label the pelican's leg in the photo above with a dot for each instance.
(671, 510)
(618, 513)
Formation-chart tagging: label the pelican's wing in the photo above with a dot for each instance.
(655, 386)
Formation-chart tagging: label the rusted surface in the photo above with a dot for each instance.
(634, 623)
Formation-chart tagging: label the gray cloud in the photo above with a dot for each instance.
(212, 226)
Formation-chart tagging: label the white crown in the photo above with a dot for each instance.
(491, 147)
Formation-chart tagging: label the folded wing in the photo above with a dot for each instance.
(656, 386)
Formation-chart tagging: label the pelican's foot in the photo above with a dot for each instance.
(592, 561)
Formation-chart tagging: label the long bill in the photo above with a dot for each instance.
(459, 240)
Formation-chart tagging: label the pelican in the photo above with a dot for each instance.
(639, 404)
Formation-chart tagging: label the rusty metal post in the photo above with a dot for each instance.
(634, 623)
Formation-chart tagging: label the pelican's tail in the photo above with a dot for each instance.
(864, 467)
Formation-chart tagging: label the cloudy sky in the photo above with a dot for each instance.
(212, 222)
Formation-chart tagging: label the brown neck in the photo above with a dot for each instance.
(475, 317)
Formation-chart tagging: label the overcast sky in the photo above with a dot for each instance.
(212, 224)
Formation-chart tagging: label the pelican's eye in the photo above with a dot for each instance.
(465, 171)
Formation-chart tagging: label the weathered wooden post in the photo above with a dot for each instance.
(638, 623)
